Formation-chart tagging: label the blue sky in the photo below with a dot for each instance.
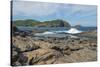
(75, 14)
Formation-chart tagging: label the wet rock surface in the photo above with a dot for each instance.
(29, 50)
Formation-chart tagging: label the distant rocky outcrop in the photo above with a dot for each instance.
(77, 26)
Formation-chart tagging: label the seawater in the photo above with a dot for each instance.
(54, 28)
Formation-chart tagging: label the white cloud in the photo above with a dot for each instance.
(82, 10)
(28, 8)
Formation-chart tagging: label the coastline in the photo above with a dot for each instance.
(48, 50)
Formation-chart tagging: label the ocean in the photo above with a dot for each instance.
(54, 28)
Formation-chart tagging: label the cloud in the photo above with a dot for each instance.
(38, 9)
(35, 9)
(81, 10)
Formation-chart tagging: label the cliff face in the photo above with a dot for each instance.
(51, 23)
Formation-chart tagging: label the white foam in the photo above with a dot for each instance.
(74, 31)
(71, 31)
(47, 32)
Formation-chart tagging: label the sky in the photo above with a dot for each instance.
(75, 14)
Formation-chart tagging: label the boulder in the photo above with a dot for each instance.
(42, 56)
(24, 44)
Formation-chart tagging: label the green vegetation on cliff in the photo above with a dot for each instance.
(28, 22)
(52, 23)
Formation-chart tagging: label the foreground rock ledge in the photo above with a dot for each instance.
(27, 51)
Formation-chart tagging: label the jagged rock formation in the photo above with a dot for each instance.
(31, 51)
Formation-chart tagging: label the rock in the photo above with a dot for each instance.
(14, 30)
(77, 26)
(63, 49)
(91, 35)
(84, 55)
(34, 51)
(67, 52)
(16, 64)
(14, 53)
(64, 59)
(57, 48)
(24, 44)
(92, 46)
(14, 58)
(44, 56)
(23, 59)
(75, 47)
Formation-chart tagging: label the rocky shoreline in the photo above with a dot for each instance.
(28, 50)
